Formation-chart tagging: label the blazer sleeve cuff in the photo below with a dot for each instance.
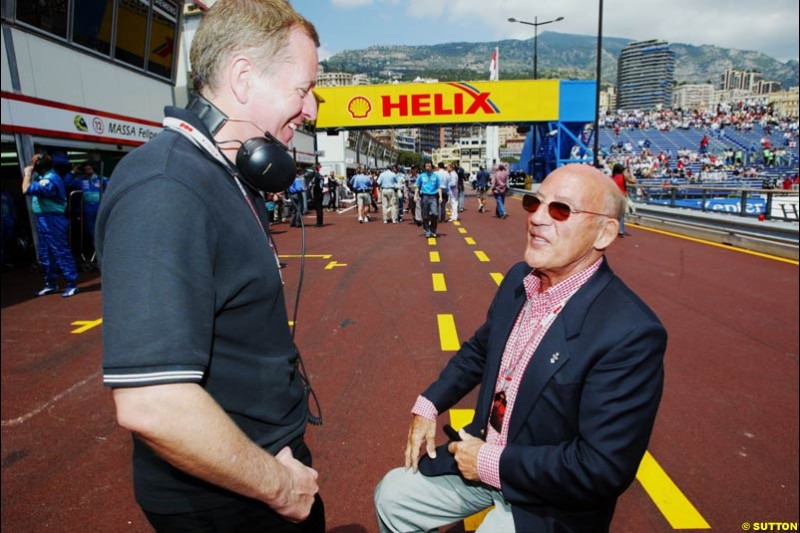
(425, 408)
(489, 464)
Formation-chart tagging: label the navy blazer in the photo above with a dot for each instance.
(585, 408)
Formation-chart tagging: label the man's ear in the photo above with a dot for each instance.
(609, 229)
(241, 71)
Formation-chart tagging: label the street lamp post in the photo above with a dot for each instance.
(598, 74)
(535, 25)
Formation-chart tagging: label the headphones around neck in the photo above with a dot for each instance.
(263, 162)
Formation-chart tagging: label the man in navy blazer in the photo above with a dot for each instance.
(570, 368)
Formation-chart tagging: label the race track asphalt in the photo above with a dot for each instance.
(726, 437)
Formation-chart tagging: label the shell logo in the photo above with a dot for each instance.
(359, 107)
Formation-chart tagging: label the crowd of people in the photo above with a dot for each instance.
(741, 116)
(429, 196)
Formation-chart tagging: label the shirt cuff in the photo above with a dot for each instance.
(489, 464)
(425, 408)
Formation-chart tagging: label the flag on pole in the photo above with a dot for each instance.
(493, 132)
(494, 66)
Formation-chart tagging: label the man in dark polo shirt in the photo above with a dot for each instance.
(196, 342)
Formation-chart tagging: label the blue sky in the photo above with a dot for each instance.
(769, 26)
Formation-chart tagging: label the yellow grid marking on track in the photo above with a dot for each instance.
(334, 264)
(434, 257)
(432, 241)
(669, 499)
(85, 325)
(462, 230)
(308, 256)
(469, 240)
(456, 223)
(458, 419)
(482, 257)
(497, 277)
(438, 282)
(673, 504)
(448, 336)
(718, 245)
(461, 417)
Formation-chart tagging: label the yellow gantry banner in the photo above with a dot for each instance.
(366, 106)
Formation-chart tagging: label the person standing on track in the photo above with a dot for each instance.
(196, 341)
(49, 205)
(429, 196)
(482, 181)
(569, 365)
(499, 187)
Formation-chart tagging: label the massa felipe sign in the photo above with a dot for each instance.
(369, 106)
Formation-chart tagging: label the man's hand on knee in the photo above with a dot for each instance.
(422, 429)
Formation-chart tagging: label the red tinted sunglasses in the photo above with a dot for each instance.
(558, 210)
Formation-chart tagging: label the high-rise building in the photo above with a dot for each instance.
(693, 96)
(645, 74)
(739, 79)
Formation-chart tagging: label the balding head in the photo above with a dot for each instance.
(563, 246)
(600, 192)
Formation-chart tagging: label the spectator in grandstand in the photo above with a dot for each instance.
(196, 341)
(49, 204)
(704, 144)
(569, 365)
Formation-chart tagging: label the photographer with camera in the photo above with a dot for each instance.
(49, 204)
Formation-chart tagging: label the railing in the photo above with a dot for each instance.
(763, 204)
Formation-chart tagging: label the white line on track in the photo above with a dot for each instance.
(20, 419)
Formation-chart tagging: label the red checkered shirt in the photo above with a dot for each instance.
(529, 328)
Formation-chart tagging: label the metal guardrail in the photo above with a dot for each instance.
(774, 237)
(764, 204)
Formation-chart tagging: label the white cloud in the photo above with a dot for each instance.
(743, 24)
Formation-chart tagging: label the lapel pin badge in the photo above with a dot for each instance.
(554, 357)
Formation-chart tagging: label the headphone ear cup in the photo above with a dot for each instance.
(265, 165)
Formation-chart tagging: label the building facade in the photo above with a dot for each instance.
(84, 81)
(693, 96)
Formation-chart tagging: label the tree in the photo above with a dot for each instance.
(408, 158)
